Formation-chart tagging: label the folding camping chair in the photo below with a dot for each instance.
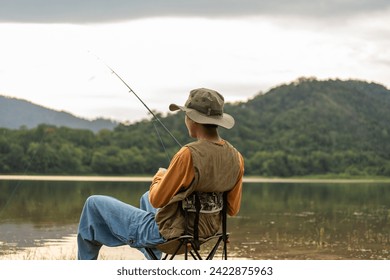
(190, 244)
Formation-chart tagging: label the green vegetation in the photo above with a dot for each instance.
(308, 127)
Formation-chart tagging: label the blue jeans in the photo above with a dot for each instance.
(108, 221)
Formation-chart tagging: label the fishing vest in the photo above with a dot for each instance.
(217, 167)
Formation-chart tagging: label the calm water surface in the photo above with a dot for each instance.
(276, 221)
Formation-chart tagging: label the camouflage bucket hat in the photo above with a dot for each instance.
(205, 106)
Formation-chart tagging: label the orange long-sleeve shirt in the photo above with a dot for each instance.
(179, 176)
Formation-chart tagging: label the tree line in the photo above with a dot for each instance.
(308, 127)
(52, 150)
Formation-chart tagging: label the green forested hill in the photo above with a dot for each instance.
(316, 127)
(307, 127)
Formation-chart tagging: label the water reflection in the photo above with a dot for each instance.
(336, 221)
(276, 221)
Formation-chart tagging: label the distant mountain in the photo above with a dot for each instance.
(15, 113)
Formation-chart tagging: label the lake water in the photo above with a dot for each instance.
(276, 221)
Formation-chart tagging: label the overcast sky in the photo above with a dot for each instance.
(165, 48)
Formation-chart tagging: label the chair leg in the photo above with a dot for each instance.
(192, 249)
(212, 252)
(178, 248)
(224, 252)
(151, 254)
(215, 248)
(198, 256)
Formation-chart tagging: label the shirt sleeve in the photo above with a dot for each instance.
(235, 194)
(178, 176)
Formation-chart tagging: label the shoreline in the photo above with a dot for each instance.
(149, 179)
(66, 249)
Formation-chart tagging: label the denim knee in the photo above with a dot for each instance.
(91, 201)
(94, 203)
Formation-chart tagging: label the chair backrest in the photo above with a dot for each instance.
(205, 202)
(190, 243)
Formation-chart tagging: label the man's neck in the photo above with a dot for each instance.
(208, 136)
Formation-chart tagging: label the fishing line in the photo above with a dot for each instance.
(2, 209)
(143, 103)
(162, 142)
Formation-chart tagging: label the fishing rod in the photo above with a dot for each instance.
(2, 208)
(143, 103)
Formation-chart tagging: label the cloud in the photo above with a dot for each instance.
(97, 11)
(164, 48)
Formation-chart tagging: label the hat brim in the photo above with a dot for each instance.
(226, 120)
